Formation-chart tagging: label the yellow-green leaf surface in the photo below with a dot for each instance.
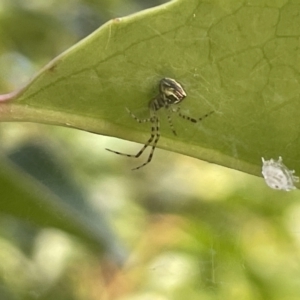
(238, 58)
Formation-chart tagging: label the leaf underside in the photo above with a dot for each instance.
(242, 61)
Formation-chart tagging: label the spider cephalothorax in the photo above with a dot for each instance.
(170, 92)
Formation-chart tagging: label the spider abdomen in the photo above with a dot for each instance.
(171, 91)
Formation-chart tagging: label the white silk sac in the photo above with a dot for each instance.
(277, 176)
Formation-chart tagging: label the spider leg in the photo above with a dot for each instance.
(177, 110)
(141, 151)
(137, 119)
(206, 115)
(154, 133)
(193, 120)
(170, 119)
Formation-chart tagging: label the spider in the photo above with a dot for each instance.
(170, 92)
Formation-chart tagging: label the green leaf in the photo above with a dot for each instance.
(239, 60)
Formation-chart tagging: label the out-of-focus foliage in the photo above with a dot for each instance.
(77, 223)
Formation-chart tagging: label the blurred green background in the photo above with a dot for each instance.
(77, 223)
